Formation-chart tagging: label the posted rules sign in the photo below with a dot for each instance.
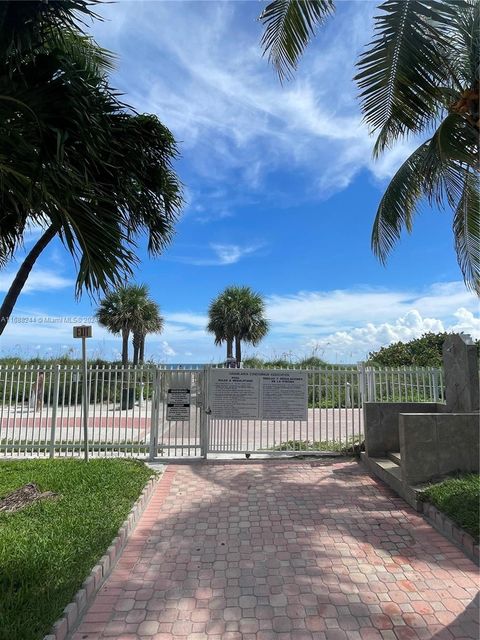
(258, 395)
(178, 404)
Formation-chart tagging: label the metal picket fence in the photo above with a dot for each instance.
(129, 412)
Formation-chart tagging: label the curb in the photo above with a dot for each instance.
(73, 612)
(444, 525)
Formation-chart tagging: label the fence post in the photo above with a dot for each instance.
(204, 437)
(53, 426)
(154, 416)
(435, 385)
(348, 395)
(361, 382)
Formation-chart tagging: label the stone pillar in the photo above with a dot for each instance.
(460, 363)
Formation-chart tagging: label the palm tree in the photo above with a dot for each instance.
(419, 75)
(149, 321)
(120, 312)
(237, 315)
(74, 159)
(219, 324)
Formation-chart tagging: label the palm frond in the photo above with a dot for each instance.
(402, 68)
(466, 229)
(289, 26)
(398, 204)
(439, 171)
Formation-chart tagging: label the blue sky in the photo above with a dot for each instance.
(281, 194)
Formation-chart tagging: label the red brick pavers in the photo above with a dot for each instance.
(287, 550)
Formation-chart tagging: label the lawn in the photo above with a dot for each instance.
(459, 499)
(48, 548)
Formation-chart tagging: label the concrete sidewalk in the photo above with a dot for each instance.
(283, 549)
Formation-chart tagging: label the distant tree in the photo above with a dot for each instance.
(313, 362)
(278, 363)
(420, 352)
(148, 321)
(253, 363)
(219, 322)
(417, 77)
(121, 312)
(237, 315)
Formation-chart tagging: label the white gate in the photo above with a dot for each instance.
(153, 412)
(333, 420)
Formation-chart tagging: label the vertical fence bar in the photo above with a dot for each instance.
(53, 425)
(154, 415)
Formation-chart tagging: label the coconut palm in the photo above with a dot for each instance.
(149, 321)
(120, 312)
(418, 76)
(74, 159)
(237, 315)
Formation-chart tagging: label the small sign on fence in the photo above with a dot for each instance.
(178, 404)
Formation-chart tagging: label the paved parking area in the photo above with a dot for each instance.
(283, 549)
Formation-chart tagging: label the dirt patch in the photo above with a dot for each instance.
(24, 496)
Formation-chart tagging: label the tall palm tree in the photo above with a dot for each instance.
(74, 159)
(418, 75)
(220, 314)
(120, 312)
(149, 321)
(237, 315)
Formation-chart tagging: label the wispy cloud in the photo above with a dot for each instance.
(323, 312)
(223, 254)
(234, 120)
(38, 280)
(213, 216)
(341, 325)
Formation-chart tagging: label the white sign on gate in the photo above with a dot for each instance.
(178, 404)
(258, 395)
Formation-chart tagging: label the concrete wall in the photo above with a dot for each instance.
(460, 363)
(380, 421)
(435, 444)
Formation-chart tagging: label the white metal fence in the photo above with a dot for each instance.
(128, 411)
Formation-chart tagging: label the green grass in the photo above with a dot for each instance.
(49, 548)
(317, 445)
(459, 499)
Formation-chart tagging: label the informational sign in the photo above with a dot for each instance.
(178, 404)
(234, 393)
(82, 331)
(258, 395)
(284, 396)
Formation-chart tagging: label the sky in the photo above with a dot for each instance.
(281, 192)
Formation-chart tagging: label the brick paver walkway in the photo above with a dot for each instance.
(299, 550)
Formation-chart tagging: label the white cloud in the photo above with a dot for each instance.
(225, 254)
(167, 350)
(212, 216)
(224, 103)
(342, 325)
(38, 280)
(311, 312)
(231, 253)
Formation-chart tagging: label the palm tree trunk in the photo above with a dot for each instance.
(22, 275)
(125, 335)
(229, 348)
(238, 350)
(137, 341)
(142, 350)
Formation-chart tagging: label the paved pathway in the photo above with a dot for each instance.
(287, 550)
